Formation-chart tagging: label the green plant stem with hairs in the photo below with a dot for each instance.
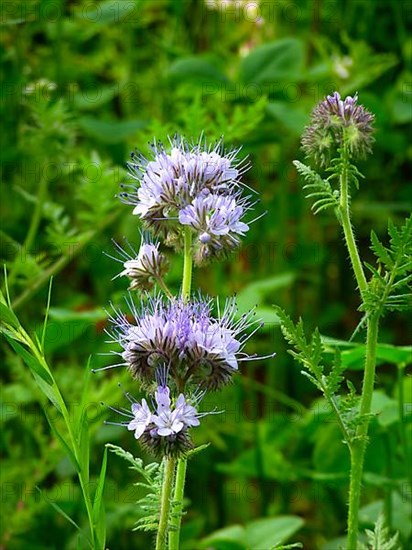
(174, 534)
(359, 443)
(174, 482)
(168, 475)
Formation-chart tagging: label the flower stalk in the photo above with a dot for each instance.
(360, 441)
(344, 214)
(169, 470)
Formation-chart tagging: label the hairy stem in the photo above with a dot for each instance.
(360, 441)
(187, 265)
(169, 470)
(347, 226)
(174, 534)
(175, 521)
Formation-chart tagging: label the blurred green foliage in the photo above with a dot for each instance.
(84, 83)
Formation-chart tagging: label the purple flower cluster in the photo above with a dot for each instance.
(184, 337)
(334, 122)
(166, 429)
(194, 186)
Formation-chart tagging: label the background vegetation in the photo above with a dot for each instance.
(86, 82)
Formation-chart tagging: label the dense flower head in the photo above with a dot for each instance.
(145, 267)
(197, 348)
(190, 177)
(336, 121)
(162, 427)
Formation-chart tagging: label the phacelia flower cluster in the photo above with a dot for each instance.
(335, 123)
(144, 268)
(197, 348)
(162, 427)
(194, 186)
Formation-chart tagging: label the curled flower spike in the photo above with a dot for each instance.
(164, 432)
(144, 268)
(194, 185)
(197, 348)
(217, 221)
(335, 121)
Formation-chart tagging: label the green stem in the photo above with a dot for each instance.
(175, 521)
(347, 226)
(174, 534)
(169, 470)
(34, 225)
(360, 441)
(187, 264)
(164, 287)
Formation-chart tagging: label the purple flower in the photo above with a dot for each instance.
(166, 430)
(335, 122)
(142, 417)
(174, 190)
(217, 222)
(185, 338)
(144, 268)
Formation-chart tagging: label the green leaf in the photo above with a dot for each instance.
(99, 518)
(59, 510)
(228, 538)
(80, 416)
(255, 294)
(292, 118)
(68, 450)
(7, 316)
(113, 131)
(84, 448)
(267, 532)
(196, 68)
(31, 361)
(282, 59)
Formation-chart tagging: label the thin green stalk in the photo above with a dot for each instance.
(169, 470)
(164, 287)
(174, 534)
(402, 431)
(187, 264)
(360, 441)
(175, 521)
(34, 224)
(347, 226)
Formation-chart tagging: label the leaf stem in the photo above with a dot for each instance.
(360, 441)
(169, 470)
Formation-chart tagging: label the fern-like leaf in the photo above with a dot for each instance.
(153, 476)
(379, 538)
(318, 188)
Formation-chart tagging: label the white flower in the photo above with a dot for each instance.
(142, 418)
